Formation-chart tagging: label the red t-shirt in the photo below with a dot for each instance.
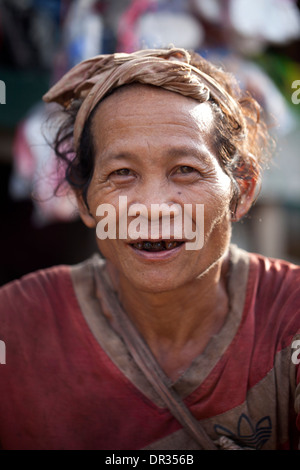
(64, 387)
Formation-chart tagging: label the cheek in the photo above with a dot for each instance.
(217, 205)
(216, 197)
(103, 205)
(107, 248)
(223, 190)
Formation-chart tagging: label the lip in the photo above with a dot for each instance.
(164, 255)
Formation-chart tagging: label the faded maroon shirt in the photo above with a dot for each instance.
(69, 381)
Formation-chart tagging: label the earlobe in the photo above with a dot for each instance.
(248, 194)
(242, 208)
(84, 212)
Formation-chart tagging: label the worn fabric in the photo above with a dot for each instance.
(172, 69)
(69, 382)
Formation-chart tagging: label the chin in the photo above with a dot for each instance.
(156, 283)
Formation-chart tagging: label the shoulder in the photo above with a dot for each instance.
(275, 273)
(46, 289)
(274, 298)
(34, 308)
(40, 294)
(276, 283)
(270, 325)
(35, 287)
(274, 280)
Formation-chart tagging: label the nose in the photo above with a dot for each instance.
(159, 214)
(156, 199)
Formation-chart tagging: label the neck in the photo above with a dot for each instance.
(178, 323)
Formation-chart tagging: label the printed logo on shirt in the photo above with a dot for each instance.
(248, 435)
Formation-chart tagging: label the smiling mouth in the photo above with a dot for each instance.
(161, 245)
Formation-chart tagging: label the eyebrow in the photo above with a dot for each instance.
(173, 152)
(107, 156)
(189, 151)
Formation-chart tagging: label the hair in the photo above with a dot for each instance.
(243, 151)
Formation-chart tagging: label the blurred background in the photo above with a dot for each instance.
(40, 40)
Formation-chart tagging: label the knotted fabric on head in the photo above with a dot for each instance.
(92, 79)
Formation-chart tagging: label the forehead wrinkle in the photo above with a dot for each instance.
(198, 119)
(110, 156)
(138, 93)
(196, 153)
(178, 118)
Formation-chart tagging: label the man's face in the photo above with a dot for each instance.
(155, 147)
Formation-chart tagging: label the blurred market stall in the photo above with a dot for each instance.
(40, 40)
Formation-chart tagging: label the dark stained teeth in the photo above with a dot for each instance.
(147, 246)
(139, 245)
(170, 245)
(156, 246)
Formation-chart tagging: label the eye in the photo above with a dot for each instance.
(185, 169)
(186, 174)
(122, 172)
(122, 176)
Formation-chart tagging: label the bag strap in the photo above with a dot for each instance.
(147, 363)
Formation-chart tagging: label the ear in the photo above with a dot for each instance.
(84, 212)
(248, 194)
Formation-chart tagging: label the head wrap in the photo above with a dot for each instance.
(92, 79)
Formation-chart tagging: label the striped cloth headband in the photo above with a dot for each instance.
(92, 79)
